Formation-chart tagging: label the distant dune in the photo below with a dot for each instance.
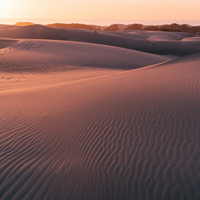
(119, 27)
(116, 27)
(76, 26)
(40, 56)
(64, 25)
(4, 26)
(112, 115)
(166, 27)
(164, 43)
(24, 24)
(83, 26)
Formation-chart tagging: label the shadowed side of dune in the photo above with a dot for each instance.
(146, 41)
(6, 43)
(5, 26)
(128, 136)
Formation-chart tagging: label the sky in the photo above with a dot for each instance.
(100, 10)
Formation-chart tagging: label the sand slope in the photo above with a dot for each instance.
(45, 56)
(4, 43)
(4, 26)
(146, 41)
(75, 125)
(132, 135)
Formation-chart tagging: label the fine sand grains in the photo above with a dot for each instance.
(132, 135)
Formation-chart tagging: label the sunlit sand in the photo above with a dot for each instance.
(99, 116)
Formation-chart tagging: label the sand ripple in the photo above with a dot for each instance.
(22, 45)
(133, 135)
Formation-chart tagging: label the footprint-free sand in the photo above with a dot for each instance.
(107, 115)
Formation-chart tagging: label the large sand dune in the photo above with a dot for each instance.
(146, 41)
(42, 56)
(99, 116)
(132, 135)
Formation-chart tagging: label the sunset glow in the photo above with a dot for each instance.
(100, 10)
(99, 99)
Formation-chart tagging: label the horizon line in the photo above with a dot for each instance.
(99, 22)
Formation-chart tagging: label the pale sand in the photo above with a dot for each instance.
(75, 125)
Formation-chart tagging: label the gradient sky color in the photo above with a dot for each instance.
(100, 9)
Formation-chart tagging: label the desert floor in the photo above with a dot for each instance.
(99, 116)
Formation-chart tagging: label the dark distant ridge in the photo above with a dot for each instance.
(113, 27)
(73, 25)
(116, 27)
(62, 25)
(166, 27)
(135, 27)
(175, 28)
(76, 26)
(119, 27)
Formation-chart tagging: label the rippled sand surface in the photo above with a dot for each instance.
(106, 116)
(130, 135)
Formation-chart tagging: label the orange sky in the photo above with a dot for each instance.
(101, 10)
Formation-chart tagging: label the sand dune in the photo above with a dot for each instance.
(24, 24)
(132, 135)
(7, 42)
(46, 55)
(146, 41)
(119, 27)
(76, 125)
(5, 26)
(27, 63)
(155, 35)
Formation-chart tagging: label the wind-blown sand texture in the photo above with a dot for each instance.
(90, 121)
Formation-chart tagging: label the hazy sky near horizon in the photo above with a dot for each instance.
(101, 9)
